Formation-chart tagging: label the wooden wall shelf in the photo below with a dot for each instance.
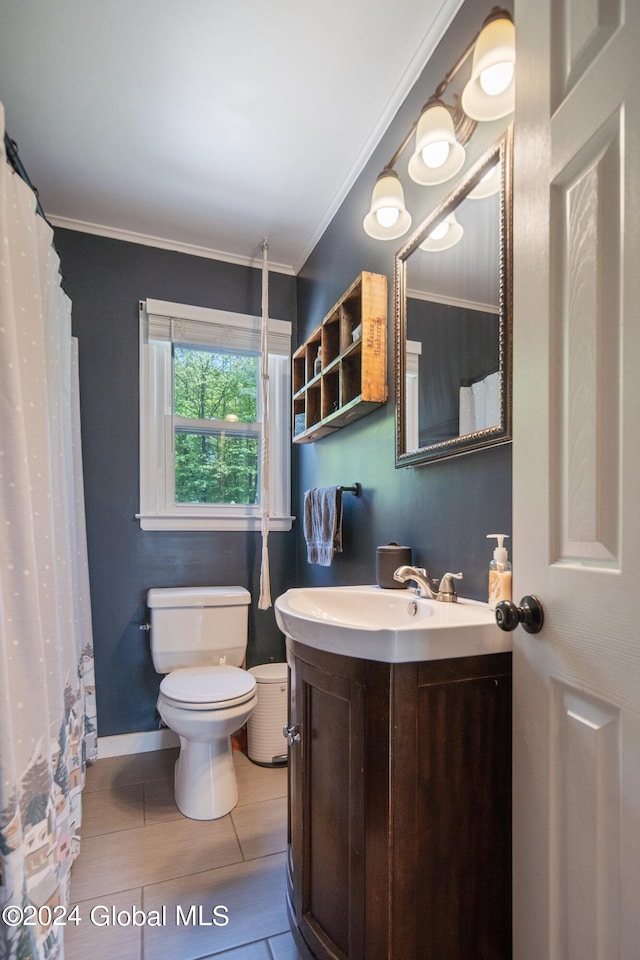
(353, 379)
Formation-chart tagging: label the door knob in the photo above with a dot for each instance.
(292, 733)
(530, 614)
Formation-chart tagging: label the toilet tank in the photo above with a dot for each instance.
(198, 626)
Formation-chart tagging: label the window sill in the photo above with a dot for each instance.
(188, 523)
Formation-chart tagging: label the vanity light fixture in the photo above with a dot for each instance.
(388, 217)
(444, 235)
(442, 130)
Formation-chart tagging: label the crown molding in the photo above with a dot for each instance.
(441, 22)
(453, 301)
(430, 41)
(191, 249)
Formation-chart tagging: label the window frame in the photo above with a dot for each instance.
(158, 509)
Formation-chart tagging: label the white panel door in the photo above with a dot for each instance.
(577, 480)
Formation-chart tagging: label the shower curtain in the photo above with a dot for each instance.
(47, 706)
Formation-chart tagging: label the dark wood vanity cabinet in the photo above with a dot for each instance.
(399, 807)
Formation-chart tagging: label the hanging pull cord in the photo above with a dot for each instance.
(264, 601)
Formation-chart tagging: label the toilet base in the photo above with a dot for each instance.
(205, 779)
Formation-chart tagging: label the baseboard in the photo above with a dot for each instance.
(126, 743)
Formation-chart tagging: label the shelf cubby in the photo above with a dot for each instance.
(331, 339)
(330, 392)
(352, 376)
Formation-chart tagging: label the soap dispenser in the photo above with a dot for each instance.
(499, 572)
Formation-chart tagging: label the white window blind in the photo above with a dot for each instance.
(214, 328)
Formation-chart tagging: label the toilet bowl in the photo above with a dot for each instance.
(204, 706)
(198, 640)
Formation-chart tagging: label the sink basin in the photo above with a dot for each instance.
(393, 626)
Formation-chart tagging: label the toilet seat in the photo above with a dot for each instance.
(208, 688)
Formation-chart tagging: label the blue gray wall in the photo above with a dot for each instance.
(443, 510)
(105, 280)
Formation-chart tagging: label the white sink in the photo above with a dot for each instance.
(393, 626)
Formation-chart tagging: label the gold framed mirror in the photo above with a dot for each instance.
(452, 319)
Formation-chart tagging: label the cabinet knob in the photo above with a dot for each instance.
(530, 614)
(292, 733)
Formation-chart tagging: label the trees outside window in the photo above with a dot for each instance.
(216, 410)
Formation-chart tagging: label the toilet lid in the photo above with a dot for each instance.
(207, 684)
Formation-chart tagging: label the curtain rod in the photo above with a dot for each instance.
(13, 157)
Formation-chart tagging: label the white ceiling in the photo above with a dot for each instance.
(203, 124)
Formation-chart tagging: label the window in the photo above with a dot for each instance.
(201, 419)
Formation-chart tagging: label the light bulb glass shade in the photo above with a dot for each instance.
(442, 239)
(440, 232)
(494, 80)
(490, 92)
(435, 154)
(388, 217)
(488, 185)
(434, 134)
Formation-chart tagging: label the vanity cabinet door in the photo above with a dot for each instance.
(327, 774)
(463, 810)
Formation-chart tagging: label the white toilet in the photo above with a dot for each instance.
(199, 639)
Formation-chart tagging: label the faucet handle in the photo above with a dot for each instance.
(446, 590)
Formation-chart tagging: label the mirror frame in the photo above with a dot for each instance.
(455, 446)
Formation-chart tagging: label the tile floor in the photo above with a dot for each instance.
(139, 852)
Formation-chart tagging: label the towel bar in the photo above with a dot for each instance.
(353, 489)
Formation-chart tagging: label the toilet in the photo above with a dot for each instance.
(199, 639)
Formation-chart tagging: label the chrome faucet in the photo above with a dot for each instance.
(426, 587)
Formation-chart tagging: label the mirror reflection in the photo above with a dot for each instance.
(453, 322)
